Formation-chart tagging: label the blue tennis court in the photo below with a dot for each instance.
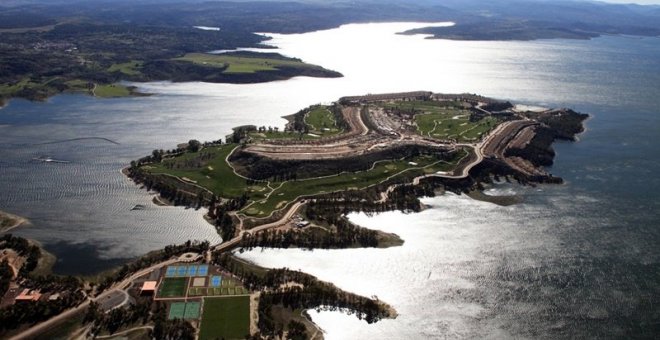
(192, 271)
(171, 271)
(216, 281)
(181, 270)
(203, 270)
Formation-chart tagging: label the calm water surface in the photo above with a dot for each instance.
(576, 260)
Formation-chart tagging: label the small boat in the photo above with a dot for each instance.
(48, 159)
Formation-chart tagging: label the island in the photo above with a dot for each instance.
(291, 187)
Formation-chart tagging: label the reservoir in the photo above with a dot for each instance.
(573, 260)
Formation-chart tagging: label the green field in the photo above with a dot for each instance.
(289, 191)
(216, 175)
(130, 68)
(322, 122)
(111, 91)
(241, 64)
(227, 317)
(443, 121)
(173, 287)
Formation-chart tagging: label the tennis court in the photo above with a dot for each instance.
(183, 310)
(177, 310)
(187, 270)
(192, 310)
(171, 271)
(216, 281)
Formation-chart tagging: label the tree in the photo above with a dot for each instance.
(194, 145)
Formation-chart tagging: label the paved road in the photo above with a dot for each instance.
(236, 240)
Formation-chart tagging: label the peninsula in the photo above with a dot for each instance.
(292, 188)
(363, 153)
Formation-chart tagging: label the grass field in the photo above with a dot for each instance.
(289, 191)
(111, 91)
(173, 287)
(443, 121)
(216, 176)
(227, 317)
(322, 122)
(240, 64)
(130, 68)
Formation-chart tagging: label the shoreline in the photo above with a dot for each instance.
(14, 220)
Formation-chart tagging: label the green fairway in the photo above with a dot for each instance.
(289, 191)
(226, 317)
(216, 175)
(322, 122)
(242, 64)
(445, 120)
(173, 287)
(208, 168)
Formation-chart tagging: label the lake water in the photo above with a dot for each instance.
(575, 260)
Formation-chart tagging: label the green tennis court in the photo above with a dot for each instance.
(192, 310)
(177, 310)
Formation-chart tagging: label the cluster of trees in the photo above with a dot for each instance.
(152, 258)
(169, 189)
(223, 221)
(19, 314)
(6, 275)
(143, 311)
(69, 288)
(296, 331)
(31, 252)
(343, 234)
(176, 329)
(564, 123)
(200, 160)
(314, 294)
(138, 312)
